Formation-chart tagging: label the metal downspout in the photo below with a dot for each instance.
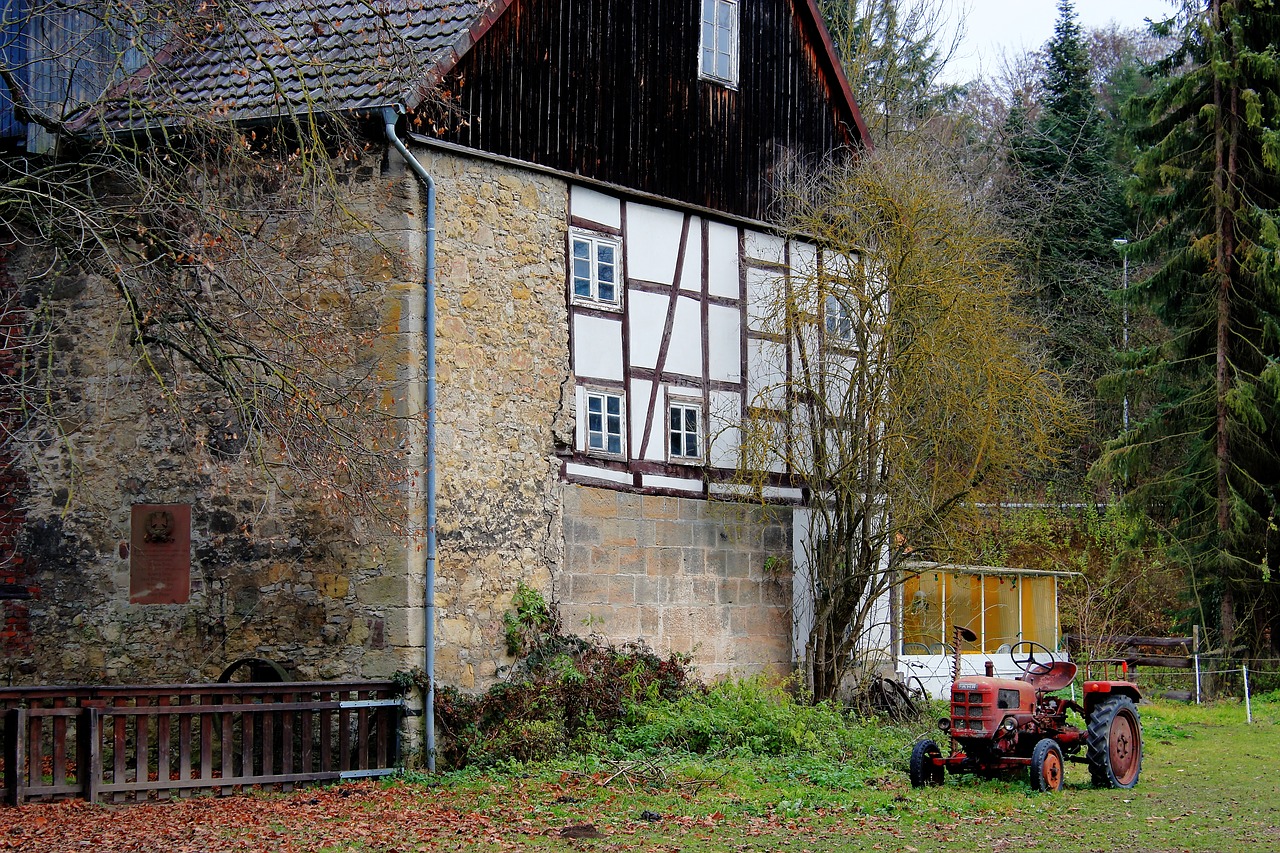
(389, 117)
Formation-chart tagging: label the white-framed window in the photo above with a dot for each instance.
(718, 58)
(593, 269)
(606, 422)
(838, 321)
(684, 430)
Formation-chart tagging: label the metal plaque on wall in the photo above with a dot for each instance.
(160, 554)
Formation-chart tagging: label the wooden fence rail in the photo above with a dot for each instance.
(122, 743)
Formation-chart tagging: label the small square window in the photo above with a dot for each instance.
(718, 58)
(605, 422)
(593, 269)
(684, 431)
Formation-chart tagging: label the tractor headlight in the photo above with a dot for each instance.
(1008, 725)
(944, 725)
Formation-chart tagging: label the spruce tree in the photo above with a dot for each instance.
(1205, 458)
(1067, 202)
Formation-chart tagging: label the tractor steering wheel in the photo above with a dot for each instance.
(1025, 658)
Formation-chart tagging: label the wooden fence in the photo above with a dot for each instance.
(132, 743)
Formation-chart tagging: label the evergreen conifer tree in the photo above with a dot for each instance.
(1069, 206)
(1205, 458)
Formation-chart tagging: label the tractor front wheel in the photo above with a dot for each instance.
(1115, 743)
(923, 770)
(1047, 766)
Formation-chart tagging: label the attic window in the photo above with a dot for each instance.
(719, 56)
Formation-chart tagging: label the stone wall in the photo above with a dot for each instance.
(15, 586)
(710, 580)
(277, 570)
(503, 357)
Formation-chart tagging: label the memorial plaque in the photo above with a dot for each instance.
(160, 554)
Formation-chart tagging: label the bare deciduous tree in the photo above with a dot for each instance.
(199, 160)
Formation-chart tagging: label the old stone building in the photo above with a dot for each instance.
(603, 182)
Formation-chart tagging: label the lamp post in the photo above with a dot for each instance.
(1122, 245)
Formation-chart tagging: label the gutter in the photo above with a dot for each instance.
(389, 116)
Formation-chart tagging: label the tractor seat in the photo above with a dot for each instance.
(1056, 676)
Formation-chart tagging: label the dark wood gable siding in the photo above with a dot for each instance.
(609, 89)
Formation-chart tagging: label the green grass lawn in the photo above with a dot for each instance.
(1209, 783)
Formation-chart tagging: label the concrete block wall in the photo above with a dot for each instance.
(711, 580)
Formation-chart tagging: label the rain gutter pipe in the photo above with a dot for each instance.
(389, 116)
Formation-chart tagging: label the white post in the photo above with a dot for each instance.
(1248, 707)
(1195, 649)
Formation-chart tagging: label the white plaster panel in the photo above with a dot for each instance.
(764, 295)
(684, 355)
(764, 247)
(597, 347)
(722, 427)
(648, 314)
(804, 258)
(691, 271)
(641, 391)
(652, 242)
(802, 602)
(804, 283)
(595, 206)
(574, 469)
(722, 260)
(679, 483)
(766, 374)
(724, 340)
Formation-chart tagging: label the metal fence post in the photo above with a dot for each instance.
(89, 754)
(15, 755)
(1195, 653)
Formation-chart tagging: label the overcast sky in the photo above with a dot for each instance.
(1016, 26)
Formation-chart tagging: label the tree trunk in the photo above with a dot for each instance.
(1226, 132)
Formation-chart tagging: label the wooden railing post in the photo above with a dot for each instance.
(89, 767)
(15, 755)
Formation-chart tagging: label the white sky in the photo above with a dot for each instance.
(1016, 26)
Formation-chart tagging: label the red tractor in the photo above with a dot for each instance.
(1000, 726)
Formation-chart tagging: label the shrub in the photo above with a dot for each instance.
(563, 691)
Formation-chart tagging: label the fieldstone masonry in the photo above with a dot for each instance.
(705, 579)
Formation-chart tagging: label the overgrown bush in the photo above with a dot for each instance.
(564, 692)
(752, 717)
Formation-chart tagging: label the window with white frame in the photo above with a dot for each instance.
(593, 262)
(684, 430)
(605, 421)
(719, 55)
(839, 321)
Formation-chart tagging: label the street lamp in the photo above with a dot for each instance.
(1122, 244)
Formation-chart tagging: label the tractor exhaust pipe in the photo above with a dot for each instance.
(962, 634)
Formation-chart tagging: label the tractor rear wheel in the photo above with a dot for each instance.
(1115, 743)
(923, 770)
(1047, 766)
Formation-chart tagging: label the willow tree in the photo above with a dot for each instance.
(910, 385)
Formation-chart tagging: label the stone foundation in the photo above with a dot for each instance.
(705, 579)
